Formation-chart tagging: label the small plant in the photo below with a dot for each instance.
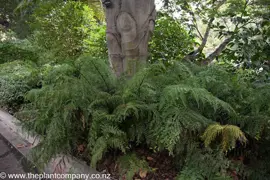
(130, 165)
(205, 164)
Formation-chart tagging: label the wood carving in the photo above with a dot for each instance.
(130, 24)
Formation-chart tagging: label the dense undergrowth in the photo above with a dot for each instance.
(195, 114)
(213, 122)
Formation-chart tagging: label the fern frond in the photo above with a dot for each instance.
(182, 93)
(99, 149)
(135, 84)
(205, 164)
(176, 123)
(100, 74)
(229, 134)
(114, 139)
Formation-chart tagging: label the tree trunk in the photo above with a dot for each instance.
(130, 24)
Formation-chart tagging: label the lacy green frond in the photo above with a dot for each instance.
(205, 164)
(139, 81)
(229, 134)
(176, 123)
(182, 94)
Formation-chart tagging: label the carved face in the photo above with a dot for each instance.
(127, 26)
(126, 23)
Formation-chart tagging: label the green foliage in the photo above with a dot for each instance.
(16, 21)
(11, 50)
(233, 29)
(18, 70)
(96, 45)
(167, 108)
(205, 164)
(67, 29)
(130, 165)
(17, 78)
(229, 135)
(170, 40)
(96, 6)
(250, 48)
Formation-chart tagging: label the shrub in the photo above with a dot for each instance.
(12, 49)
(67, 29)
(17, 78)
(170, 40)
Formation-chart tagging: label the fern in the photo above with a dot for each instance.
(205, 164)
(167, 109)
(229, 134)
(201, 96)
(176, 123)
(129, 165)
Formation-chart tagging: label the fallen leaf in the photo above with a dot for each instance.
(154, 169)
(20, 145)
(150, 158)
(143, 174)
(81, 148)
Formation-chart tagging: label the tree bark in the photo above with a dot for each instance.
(130, 24)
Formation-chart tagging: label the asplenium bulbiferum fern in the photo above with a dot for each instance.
(163, 107)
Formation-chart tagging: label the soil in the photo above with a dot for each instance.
(162, 163)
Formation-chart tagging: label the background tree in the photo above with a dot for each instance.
(170, 40)
(15, 20)
(222, 19)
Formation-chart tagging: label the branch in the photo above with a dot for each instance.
(206, 35)
(194, 21)
(195, 53)
(218, 50)
(223, 45)
(223, 19)
(196, 27)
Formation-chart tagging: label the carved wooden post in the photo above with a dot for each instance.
(130, 24)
